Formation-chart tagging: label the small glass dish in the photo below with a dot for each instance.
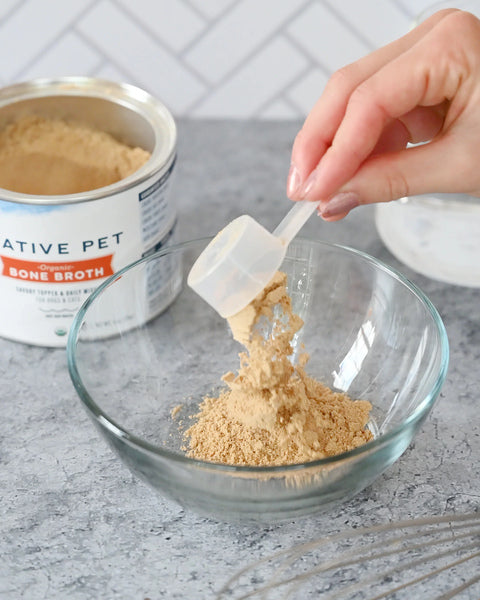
(369, 332)
(435, 235)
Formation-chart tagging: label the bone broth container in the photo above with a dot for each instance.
(85, 168)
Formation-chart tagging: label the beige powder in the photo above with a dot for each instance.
(272, 412)
(50, 157)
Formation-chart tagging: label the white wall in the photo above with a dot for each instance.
(203, 58)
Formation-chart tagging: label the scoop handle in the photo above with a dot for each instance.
(294, 220)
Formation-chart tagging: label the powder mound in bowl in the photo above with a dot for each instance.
(49, 157)
(271, 412)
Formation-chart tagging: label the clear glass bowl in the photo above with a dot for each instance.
(369, 331)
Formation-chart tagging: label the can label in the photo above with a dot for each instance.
(52, 257)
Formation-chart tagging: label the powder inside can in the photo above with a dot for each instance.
(46, 156)
(272, 412)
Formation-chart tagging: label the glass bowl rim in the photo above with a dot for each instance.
(101, 417)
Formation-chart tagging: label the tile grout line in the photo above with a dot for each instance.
(281, 94)
(102, 62)
(258, 47)
(210, 89)
(209, 26)
(107, 60)
(130, 77)
(12, 11)
(301, 113)
(51, 43)
(205, 17)
(245, 60)
(314, 60)
(353, 30)
(193, 8)
(161, 43)
(399, 4)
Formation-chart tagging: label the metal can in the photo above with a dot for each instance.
(55, 250)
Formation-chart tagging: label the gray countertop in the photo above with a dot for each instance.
(74, 522)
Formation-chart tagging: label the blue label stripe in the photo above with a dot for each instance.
(158, 184)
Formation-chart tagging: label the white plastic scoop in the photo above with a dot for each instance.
(242, 258)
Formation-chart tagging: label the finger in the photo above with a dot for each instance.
(421, 124)
(440, 166)
(415, 78)
(323, 121)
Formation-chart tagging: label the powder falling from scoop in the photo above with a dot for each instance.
(272, 412)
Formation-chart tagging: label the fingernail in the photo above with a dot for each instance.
(293, 181)
(341, 203)
(308, 186)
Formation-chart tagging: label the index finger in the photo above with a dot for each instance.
(321, 125)
(415, 78)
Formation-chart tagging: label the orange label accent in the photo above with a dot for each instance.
(58, 272)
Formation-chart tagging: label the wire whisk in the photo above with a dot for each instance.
(397, 560)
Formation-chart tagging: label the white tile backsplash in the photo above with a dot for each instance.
(252, 87)
(204, 58)
(307, 89)
(240, 34)
(327, 37)
(70, 55)
(376, 22)
(141, 56)
(211, 9)
(182, 25)
(30, 30)
(7, 6)
(414, 7)
(280, 109)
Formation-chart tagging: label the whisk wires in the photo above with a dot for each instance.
(381, 556)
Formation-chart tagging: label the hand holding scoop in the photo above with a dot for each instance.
(242, 259)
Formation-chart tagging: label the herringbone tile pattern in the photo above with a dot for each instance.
(203, 58)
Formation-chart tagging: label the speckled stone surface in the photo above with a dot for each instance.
(75, 524)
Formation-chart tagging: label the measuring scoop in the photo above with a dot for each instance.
(242, 258)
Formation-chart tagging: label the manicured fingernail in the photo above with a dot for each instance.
(308, 186)
(341, 203)
(293, 181)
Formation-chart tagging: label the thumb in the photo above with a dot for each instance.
(442, 166)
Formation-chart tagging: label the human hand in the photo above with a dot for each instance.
(423, 87)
